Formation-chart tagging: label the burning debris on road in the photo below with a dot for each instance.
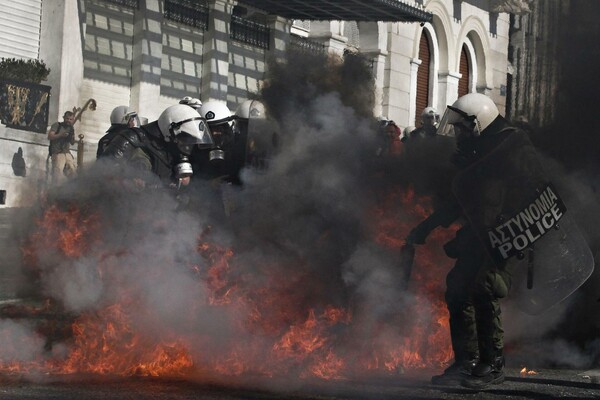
(299, 279)
(297, 275)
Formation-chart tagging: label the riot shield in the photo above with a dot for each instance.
(520, 218)
(262, 140)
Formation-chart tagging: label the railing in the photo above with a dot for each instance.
(125, 3)
(303, 44)
(24, 105)
(188, 12)
(250, 32)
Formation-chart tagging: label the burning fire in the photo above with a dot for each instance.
(274, 329)
(527, 372)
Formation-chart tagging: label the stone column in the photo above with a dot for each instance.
(378, 59)
(62, 51)
(447, 89)
(328, 33)
(147, 57)
(280, 36)
(215, 65)
(373, 45)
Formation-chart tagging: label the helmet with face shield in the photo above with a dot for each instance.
(250, 109)
(183, 126)
(219, 119)
(468, 117)
(121, 115)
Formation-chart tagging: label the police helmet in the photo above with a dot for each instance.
(183, 125)
(250, 109)
(430, 113)
(117, 116)
(475, 107)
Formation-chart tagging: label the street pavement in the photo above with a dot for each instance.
(547, 384)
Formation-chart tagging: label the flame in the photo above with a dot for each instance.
(106, 343)
(526, 372)
(70, 232)
(278, 332)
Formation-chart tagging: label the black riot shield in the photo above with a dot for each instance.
(523, 223)
(262, 141)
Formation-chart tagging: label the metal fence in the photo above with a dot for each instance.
(250, 32)
(300, 43)
(24, 105)
(125, 3)
(188, 12)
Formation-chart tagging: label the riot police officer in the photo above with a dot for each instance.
(216, 161)
(120, 118)
(476, 284)
(429, 122)
(162, 147)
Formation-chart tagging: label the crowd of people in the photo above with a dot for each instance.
(194, 139)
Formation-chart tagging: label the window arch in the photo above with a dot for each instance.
(423, 76)
(464, 83)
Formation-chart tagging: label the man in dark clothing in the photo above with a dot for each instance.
(120, 118)
(62, 137)
(162, 147)
(476, 283)
(429, 121)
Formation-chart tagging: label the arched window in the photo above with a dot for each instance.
(464, 68)
(423, 76)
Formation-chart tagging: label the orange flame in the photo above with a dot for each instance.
(526, 372)
(277, 336)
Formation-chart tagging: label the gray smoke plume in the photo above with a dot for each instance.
(230, 268)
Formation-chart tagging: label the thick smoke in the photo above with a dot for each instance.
(296, 236)
(570, 145)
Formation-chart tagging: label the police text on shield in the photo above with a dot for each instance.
(527, 226)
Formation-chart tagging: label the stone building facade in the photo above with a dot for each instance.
(147, 54)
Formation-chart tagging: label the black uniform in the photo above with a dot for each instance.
(424, 132)
(108, 137)
(144, 149)
(476, 283)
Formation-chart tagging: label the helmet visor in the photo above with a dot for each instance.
(458, 124)
(451, 116)
(192, 131)
(132, 120)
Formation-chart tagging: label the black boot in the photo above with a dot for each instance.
(486, 374)
(456, 372)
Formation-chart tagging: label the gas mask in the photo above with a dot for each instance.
(183, 168)
(186, 134)
(466, 137)
(222, 136)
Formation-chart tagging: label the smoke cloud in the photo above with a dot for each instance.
(221, 270)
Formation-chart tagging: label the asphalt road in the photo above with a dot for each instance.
(547, 384)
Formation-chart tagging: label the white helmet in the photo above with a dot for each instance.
(216, 113)
(193, 102)
(250, 109)
(117, 116)
(408, 130)
(430, 112)
(475, 107)
(183, 125)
